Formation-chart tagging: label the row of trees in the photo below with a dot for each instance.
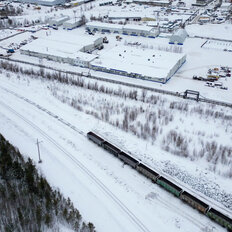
(27, 201)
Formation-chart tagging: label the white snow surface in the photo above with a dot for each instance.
(153, 206)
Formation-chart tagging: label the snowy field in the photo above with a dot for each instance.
(138, 193)
(216, 31)
(7, 32)
(185, 141)
(218, 45)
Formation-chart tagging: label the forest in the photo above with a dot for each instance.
(28, 202)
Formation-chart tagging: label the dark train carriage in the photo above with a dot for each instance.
(111, 148)
(95, 138)
(194, 202)
(174, 189)
(220, 218)
(128, 159)
(146, 171)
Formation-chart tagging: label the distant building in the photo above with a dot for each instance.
(178, 37)
(72, 23)
(43, 2)
(129, 29)
(161, 3)
(125, 15)
(56, 48)
(202, 2)
(153, 65)
(55, 22)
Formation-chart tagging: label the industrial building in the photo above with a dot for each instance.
(43, 2)
(76, 52)
(178, 37)
(125, 15)
(146, 64)
(72, 23)
(161, 3)
(129, 29)
(55, 22)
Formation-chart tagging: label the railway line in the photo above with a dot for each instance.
(188, 217)
(156, 90)
(79, 165)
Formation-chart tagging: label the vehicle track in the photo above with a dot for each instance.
(102, 186)
(205, 199)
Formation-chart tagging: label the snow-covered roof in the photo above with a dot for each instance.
(145, 62)
(85, 56)
(138, 27)
(61, 46)
(124, 14)
(106, 25)
(60, 18)
(73, 20)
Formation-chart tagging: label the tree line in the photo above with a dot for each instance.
(28, 202)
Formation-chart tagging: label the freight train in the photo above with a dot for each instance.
(188, 198)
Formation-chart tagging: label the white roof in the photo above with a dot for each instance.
(85, 56)
(73, 20)
(64, 45)
(60, 18)
(124, 14)
(106, 25)
(138, 27)
(145, 62)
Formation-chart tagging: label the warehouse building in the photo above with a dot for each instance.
(158, 66)
(178, 37)
(129, 29)
(162, 3)
(43, 2)
(76, 52)
(125, 15)
(72, 23)
(55, 22)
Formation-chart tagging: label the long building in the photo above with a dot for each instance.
(58, 21)
(129, 29)
(146, 64)
(75, 52)
(43, 2)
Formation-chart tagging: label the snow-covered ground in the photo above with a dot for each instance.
(147, 201)
(112, 195)
(198, 60)
(216, 31)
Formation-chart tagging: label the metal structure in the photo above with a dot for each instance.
(192, 94)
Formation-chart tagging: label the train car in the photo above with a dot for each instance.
(220, 218)
(95, 138)
(128, 159)
(146, 171)
(194, 202)
(174, 189)
(111, 148)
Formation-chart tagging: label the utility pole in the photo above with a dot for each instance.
(40, 161)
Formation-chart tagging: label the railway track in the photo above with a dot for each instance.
(205, 199)
(101, 185)
(88, 75)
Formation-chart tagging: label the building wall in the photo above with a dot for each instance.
(45, 3)
(70, 26)
(58, 22)
(126, 31)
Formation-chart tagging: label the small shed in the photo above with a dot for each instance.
(178, 37)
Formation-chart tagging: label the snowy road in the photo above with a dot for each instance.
(113, 197)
